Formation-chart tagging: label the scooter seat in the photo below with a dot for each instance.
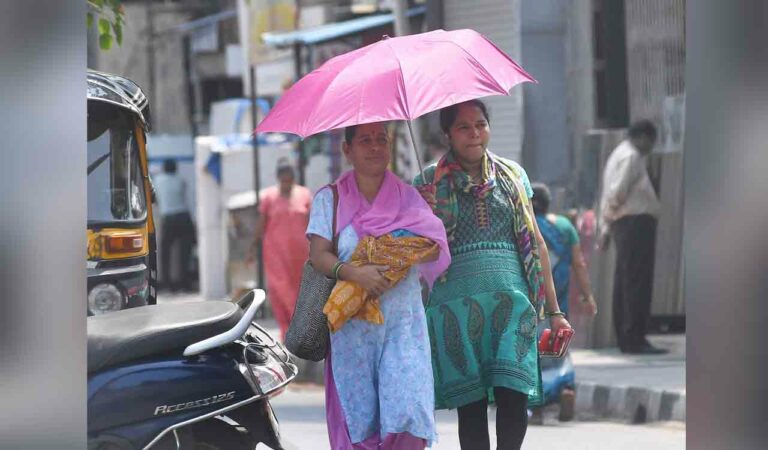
(135, 333)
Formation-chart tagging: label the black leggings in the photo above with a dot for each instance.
(511, 421)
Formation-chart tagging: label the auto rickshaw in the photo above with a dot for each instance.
(122, 250)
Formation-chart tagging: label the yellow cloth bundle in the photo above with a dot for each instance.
(349, 300)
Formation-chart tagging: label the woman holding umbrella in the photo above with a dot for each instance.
(482, 312)
(379, 389)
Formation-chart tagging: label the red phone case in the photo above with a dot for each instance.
(554, 346)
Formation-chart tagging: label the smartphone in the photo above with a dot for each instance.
(555, 346)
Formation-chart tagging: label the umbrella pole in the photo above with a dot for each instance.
(416, 149)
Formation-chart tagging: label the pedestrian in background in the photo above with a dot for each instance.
(280, 227)
(566, 258)
(379, 388)
(482, 313)
(564, 247)
(177, 227)
(629, 207)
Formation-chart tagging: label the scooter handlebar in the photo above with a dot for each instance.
(235, 332)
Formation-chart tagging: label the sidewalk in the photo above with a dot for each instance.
(632, 388)
(609, 385)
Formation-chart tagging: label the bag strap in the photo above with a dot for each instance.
(335, 239)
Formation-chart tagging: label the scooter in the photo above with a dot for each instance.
(193, 375)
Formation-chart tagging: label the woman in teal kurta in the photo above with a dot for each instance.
(482, 312)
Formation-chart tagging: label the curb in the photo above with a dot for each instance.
(629, 404)
(593, 401)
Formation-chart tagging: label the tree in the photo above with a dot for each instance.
(111, 17)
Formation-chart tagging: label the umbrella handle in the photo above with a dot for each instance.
(416, 149)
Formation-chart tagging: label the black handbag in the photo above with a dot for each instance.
(308, 336)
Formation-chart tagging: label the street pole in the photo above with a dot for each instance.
(403, 28)
(256, 174)
(298, 69)
(150, 47)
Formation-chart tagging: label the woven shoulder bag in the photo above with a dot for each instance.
(308, 336)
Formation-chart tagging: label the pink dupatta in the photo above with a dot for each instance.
(397, 206)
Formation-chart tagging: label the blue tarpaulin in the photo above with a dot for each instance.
(333, 31)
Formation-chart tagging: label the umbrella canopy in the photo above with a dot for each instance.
(395, 79)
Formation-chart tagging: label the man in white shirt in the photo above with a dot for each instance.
(629, 207)
(171, 191)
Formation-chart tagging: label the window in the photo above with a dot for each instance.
(115, 179)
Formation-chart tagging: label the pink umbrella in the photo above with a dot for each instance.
(399, 78)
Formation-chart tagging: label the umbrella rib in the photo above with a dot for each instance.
(481, 67)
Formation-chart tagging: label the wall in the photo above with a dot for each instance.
(168, 102)
(655, 54)
(656, 72)
(499, 21)
(546, 146)
(580, 88)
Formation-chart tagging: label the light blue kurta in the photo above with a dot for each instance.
(383, 373)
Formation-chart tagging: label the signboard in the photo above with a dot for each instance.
(264, 16)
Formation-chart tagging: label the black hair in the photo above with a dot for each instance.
(169, 166)
(349, 133)
(642, 127)
(449, 113)
(284, 166)
(541, 198)
(286, 170)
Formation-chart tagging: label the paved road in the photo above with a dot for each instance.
(302, 425)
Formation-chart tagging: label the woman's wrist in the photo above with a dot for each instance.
(551, 306)
(554, 314)
(345, 272)
(336, 269)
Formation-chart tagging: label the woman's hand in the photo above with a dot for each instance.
(590, 305)
(558, 322)
(427, 192)
(369, 277)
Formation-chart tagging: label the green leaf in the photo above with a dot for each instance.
(89, 20)
(105, 41)
(103, 26)
(98, 3)
(118, 28)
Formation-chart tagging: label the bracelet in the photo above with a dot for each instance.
(554, 313)
(338, 270)
(335, 269)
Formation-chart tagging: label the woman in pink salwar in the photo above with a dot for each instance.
(283, 219)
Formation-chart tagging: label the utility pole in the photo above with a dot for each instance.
(298, 72)
(403, 28)
(256, 171)
(150, 47)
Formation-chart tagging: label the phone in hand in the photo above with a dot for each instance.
(555, 346)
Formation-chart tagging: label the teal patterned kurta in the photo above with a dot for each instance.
(482, 325)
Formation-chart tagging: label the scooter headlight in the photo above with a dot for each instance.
(265, 364)
(105, 298)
